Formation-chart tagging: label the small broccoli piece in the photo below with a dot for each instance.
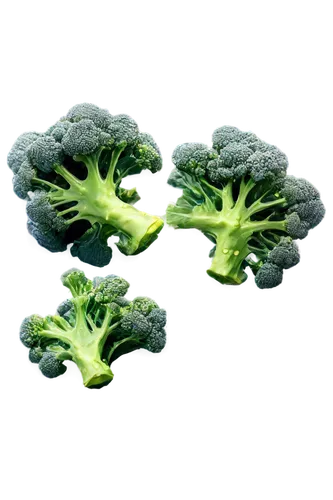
(22, 181)
(232, 163)
(269, 276)
(100, 117)
(45, 224)
(59, 130)
(49, 239)
(268, 165)
(138, 330)
(148, 154)
(158, 339)
(92, 329)
(73, 174)
(45, 154)
(51, 366)
(76, 282)
(109, 288)
(83, 138)
(144, 305)
(123, 129)
(285, 255)
(92, 247)
(18, 154)
(30, 329)
(193, 158)
(223, 135)
(35, 354)
(239, 196)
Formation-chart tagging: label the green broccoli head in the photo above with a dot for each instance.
(18, 154)
(239, 195)
(51, 366)
(93, 328)
(269, 276)
(76, 280)
(30, 330)
(144, 305)
(193, 158)
(74, 172)
(108, 289)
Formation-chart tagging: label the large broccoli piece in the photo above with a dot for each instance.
(238, 194)
(93, 328)
(71, 176)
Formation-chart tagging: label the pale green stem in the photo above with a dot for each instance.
(73, 181)
(257, 206)
(114, 160)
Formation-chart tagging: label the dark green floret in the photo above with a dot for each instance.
(239, 196)
(73, 174)
(93, 328)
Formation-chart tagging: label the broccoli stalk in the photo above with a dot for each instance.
(93, 328)
(239, 196)
(96, 201)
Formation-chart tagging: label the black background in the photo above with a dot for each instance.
(260, 340)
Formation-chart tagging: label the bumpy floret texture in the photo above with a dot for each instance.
(18, 154)
(45, 153)
(72, 173)
(51, 366)
(269, 276)
(242, 183)
(193, 157)
(285, 255)
(110, 288)
(93, 328)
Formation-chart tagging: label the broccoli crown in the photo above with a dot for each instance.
(72, 174)
(144, 305)
(110, 288)
(193, 158)
(18, 154)
(51, 366)
(93, 328)
(239, 195)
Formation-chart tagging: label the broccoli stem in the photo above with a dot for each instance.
(231, 250)
(113, 163)
(95, 372)
(85, 342)
(96, 201)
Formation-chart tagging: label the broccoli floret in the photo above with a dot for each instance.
(35, 354)
(45, 153)
(92, 247)
(193, 158)
(73, 173)
(109, 288)
(92, 329)
(269, 276)
(144, 305)
(51, 366)
(76, 281)
(140, 330)
(23, 180)
(18, 154)
(239, 196)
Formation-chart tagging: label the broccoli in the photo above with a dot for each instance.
(71, 178)
(238, 194)
(93, 328)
